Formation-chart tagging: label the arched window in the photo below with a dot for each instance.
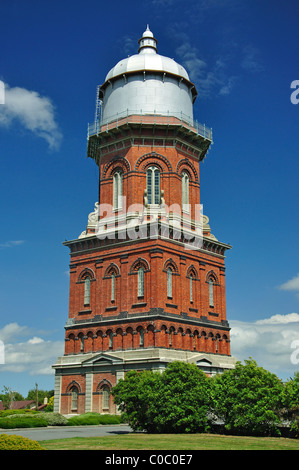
(87, 291)
(117, 189)
(112, 272)
(211, 292)
(141, 337)
(74, 394)
(185, 191)
(153, 185)
(171, 331)
(191, 287)
(106, 397)
(140, 282)
(112, 287)
(110, 340)
(169, 283)
(81, 339)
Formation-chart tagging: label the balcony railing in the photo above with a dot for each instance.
(134, 116)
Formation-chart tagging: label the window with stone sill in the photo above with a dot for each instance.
(74, 395)
(185, 192)
(113, 287)
(211, 292)
(169, 283)
(106, 397)
(117, 190)
(87, 291)
(140, 292)
(153, 185)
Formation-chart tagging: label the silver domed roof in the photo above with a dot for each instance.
(147, 83)
(147, 59)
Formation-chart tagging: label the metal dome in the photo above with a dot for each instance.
(148, 83)
(147, 61)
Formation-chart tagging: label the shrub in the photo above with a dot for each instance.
(18, 443)
(295, 428)
(53, 419)
(5, 413)
(22, 421)
(176, 401)
(110, 419)
(248, 400)
(93, 419)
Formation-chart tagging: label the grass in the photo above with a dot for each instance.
(141, 441)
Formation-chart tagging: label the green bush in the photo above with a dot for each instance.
(22, 421)
(248, 400)
(18, 443)
(53, 419)
(5, 413)
(176, 401)
(295, 428)
(93, 419)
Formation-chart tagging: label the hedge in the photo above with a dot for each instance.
(22, 421)
(93, 419)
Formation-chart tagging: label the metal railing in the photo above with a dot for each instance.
(134, 116)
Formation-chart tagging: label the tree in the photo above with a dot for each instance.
(174, 401)
(8, 396)
(248, 399)
(42, 394)
(50, 405)
(290, 399)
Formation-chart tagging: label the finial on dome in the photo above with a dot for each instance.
(147, 43)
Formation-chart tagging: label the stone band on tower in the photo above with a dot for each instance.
(147, 277)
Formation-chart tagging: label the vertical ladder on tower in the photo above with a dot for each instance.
(98, 112)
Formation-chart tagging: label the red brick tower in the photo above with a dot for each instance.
(147, 277)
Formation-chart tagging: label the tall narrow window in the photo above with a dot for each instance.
(106, 396)
(141, 337)
(87, 291)
(170, 336)
(110, 340)
(153, 185)
(117, 190)
(169, 283)
(191, 288)
(140, 282)
(74, 404)
(211, 292)
(112, 287)
(81, 342)
(185, 191)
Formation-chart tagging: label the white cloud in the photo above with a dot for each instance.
(292, 284)
(12, 331)
(11, 243)
(208, 80)
(33, 356)
(34, 112)
(269, 341)
(279, 319)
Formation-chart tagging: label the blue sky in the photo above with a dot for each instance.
(242, 56)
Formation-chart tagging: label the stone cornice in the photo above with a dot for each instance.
(92, 243)
(151, 315)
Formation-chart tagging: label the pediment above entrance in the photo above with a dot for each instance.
(101, 359)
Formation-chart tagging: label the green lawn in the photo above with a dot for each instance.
(172, 442)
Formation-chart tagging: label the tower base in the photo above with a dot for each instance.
(92, 375)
